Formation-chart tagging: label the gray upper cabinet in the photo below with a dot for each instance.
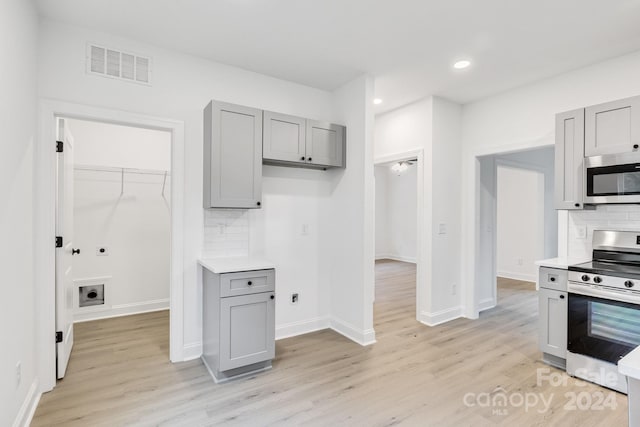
(613, 127)
(325, 144)
(569, 160)
(284, 138)
(232, 156)
(294, 141)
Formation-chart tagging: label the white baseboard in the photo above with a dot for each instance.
(393, 257)
(293, 329)
(439, 317)
(123, 310)
(28, 407)
(526, 277)
(362, 337)
(486, 304)
(191, 351)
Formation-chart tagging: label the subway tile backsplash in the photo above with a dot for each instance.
(226, 233)
(605, 217)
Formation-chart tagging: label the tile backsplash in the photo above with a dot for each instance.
(226, 233)
(605, 217)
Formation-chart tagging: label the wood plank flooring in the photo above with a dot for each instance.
(119, 374)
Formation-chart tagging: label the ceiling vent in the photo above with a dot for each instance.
(120, 65)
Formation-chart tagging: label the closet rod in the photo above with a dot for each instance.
(122, 170)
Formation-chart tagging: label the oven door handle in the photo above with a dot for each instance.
(602, 292)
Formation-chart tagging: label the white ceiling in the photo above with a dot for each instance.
(408, 45)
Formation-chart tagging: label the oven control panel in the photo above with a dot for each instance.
(604, 281)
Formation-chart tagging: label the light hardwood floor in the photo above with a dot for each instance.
(119, 374)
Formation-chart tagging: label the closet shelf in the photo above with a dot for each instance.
(122, 171)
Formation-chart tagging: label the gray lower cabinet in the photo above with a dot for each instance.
(295, 141)
(238, 322)
(569, 160)
(232, 156)
(612, 127)
(553, 306)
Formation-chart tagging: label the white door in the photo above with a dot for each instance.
(64, 228)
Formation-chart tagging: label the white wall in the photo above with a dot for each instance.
(525, 118)
(396, 206)
(182, 86)
(434, 126)
(18, 43)
(134, 226)
(351, 211)
(520, 222)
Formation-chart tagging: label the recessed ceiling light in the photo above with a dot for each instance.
(461, 64)
(377, 101)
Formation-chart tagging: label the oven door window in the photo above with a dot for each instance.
(616, 180)
(601, 328)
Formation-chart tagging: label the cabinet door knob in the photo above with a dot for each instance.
(635, 146)
(302, 158)
(249, 283)
(258, 203)
(577, 205)
(273, 297)
(309, 158)
(552, 279)
(561, 296)
(75, 251)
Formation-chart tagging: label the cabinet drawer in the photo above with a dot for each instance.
(553, 278)
(247, 282)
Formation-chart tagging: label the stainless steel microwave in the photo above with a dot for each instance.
(613, 178)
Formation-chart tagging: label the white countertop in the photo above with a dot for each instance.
(561, 262)
(630, 364)
(233, 264)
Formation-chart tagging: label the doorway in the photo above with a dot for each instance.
(45, 180)
(398, 235)
(518, 223)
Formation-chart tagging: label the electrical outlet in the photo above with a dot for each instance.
(442, 228)
(102, 251)
(294, 298)
(18, 373)
(454, 289)
(520, 261)
(305, 230)
(581, 231)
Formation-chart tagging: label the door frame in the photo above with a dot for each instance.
(471, 252)
(423, 252)
(44, 223)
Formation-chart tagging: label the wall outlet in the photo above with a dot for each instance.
(18, 373)
(581, 231)
(442, 228)
(520, 261)
(454, 289)
(294, 298)
(102, 251)
(305, 230)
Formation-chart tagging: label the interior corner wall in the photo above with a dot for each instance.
(520, 222)
(524, 117)
(382, 224)
(18, 115)
(351, 211)
(396, 207)
(181, 87)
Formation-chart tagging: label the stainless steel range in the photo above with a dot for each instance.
(604, 309)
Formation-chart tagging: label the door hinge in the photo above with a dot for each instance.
(58, 336)
(59, 146)
(58, 241)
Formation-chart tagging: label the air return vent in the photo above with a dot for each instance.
(113, 63)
